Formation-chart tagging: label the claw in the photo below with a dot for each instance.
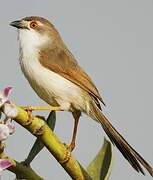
(71, 147)
(67, 156)
(29, 110)
(30, 117)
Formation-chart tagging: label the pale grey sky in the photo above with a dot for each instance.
(113, 42)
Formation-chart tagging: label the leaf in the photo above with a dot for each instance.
(38, 145)
(101, 166)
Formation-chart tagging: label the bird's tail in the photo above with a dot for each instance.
(116, 138)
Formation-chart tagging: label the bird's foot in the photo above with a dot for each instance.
(67, 155)
(29, 110)
(69, 148)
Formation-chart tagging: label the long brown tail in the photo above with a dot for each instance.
(127, 151)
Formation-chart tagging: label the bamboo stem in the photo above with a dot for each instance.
(53, 144)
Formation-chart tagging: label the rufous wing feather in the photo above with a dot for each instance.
(62, 62)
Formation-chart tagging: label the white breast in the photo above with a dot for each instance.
(51, 87)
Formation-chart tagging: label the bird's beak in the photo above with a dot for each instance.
(19, 24)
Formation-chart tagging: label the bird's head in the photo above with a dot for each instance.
(35, 30)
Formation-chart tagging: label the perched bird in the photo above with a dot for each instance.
(57, 78)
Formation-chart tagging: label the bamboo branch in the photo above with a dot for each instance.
(24, 172)
(21, 171)
(38, 145)
(41, 130)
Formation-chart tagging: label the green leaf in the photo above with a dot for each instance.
(101, 166)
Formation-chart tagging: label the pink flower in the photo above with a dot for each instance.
(4, 96)
(9, 109)
(11, 127)
(4, 164)
(6, 130)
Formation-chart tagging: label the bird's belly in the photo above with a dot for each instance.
(55, 89)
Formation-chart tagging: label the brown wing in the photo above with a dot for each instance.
(61, 61)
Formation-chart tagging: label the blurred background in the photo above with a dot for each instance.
(113, 42)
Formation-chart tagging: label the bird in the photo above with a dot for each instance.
(58, 79)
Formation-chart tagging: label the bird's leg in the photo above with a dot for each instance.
(76, 116)
(50, 108)
(71, 146)
(29, 110)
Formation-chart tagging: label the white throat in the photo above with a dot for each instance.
(32, 38)
(30, 41)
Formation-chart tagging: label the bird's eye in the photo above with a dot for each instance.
(33, 24)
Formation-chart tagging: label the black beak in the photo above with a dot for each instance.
(18, 24)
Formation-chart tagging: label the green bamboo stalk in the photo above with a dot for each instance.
(38, 145)
(24, 172)
(53, 144)
(21, 171)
